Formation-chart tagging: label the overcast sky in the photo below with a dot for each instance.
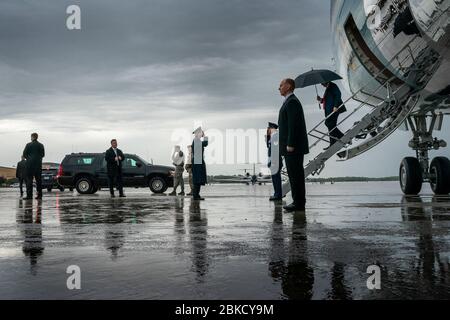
(141, 69)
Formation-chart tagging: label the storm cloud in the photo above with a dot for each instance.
(140, 69)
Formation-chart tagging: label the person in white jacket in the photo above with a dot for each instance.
(188, 167)
(178, 162)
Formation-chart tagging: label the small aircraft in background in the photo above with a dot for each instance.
(248, 178)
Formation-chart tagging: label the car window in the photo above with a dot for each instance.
(82, 161)
(50, 166)
(139, 159)
(86, 161)
(130, 163)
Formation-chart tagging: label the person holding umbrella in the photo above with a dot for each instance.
(331, 102)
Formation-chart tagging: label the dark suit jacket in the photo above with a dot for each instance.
(111, 164)
(332, 99)
(34, 152)
(21, 170)
(292, 127)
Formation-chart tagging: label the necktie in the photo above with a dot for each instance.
(115, 151)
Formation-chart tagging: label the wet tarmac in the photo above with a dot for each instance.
(234, 245)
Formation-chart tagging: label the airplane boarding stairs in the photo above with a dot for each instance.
(382, 120)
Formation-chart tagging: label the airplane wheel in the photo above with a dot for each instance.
(410, 176)
(440, 175)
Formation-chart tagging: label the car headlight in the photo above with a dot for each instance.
(172, 173)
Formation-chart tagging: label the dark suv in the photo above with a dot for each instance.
(87, 173)
(49, 173)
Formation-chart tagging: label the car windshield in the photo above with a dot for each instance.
(130, 156)
(141, 160)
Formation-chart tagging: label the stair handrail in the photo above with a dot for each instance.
(349, 115)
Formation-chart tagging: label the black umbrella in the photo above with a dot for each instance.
(314, 77)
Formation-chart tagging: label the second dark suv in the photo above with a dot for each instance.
(49, 173)
(87, 173)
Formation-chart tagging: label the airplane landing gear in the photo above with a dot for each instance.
(440, 175)
(410, 176)
(414, 171)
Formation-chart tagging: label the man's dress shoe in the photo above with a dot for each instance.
(293, 207)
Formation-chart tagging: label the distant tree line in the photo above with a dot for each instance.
(352, 179)
(332, 179)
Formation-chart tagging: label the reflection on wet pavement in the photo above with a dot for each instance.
(234, 245)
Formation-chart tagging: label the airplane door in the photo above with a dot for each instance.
(365, 55)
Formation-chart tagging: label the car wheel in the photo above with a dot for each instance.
(84, 185)
(61, 189)
(157, 184)
(94, 190)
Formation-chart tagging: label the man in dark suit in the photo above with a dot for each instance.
(21, 174)
(33, 153)
(293, 143)
(332, 105)
(114, 158)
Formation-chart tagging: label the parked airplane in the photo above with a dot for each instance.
(394, 57)
(248, 178)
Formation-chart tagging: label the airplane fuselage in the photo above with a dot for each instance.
(376, 40)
